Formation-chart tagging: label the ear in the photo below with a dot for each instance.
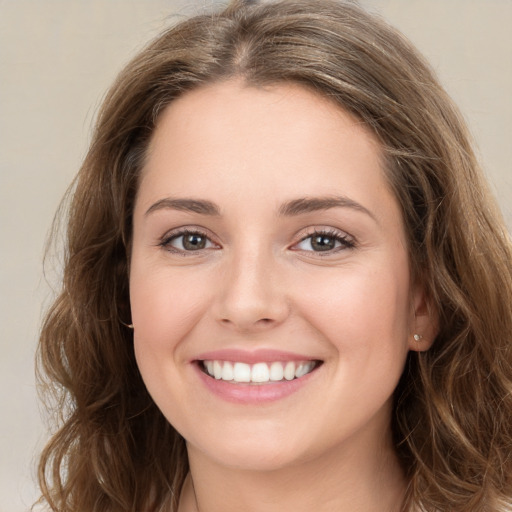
(424, 322)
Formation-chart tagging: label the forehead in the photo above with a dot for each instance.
(283, 140)
(230, 105)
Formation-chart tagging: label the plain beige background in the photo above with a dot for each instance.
(57, 57)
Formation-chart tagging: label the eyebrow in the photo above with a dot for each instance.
(313, 204)
(187, 205)
(291, 208)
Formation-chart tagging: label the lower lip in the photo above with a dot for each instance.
(244, 393)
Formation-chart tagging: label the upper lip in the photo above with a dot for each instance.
(253, 356)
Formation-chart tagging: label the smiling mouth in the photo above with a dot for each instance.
(258, 373)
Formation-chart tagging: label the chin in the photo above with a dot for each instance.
(250, 452)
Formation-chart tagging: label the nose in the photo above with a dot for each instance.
(252, 294)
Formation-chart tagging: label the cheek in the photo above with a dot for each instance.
(165, 307)
(363, 316)
(362, 312)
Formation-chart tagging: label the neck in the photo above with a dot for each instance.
(368, 479)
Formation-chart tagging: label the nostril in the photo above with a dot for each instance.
(261, 320)
(257, 324)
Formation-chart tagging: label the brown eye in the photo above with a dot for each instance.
(322, 243)
(194, 242)
(187, 242)
(325, 242)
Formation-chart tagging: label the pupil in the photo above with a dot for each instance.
(322, 243)
(194, 242)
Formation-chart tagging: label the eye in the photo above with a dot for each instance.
(325, 241)
(187, 241)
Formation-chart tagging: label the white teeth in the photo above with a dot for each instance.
(289, 371)
(303, 369)
(257, 373)
(217, 370)
(276, 372)
(227, 371)
(241, 372)
(260, 373)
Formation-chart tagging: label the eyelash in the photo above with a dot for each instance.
(166, 241)
(344, 241)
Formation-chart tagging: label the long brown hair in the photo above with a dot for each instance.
(114, 451)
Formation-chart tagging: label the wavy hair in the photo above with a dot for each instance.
(113, 449)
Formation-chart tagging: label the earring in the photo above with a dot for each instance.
(130, 326)
(417, 337)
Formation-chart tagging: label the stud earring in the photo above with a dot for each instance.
(417, 337)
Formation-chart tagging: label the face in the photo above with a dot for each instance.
(269, 281)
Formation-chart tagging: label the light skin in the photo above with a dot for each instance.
(264, 221)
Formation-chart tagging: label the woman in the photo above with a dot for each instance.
(286, 285)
